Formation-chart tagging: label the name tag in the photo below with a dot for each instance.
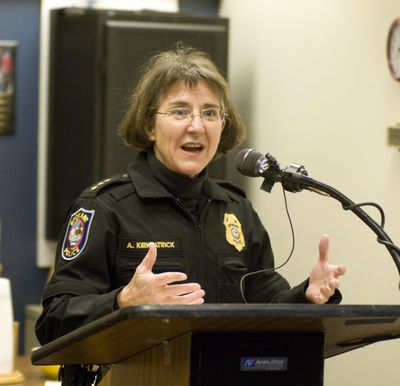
(132, 245)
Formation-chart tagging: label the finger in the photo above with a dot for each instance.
(319, 299)
(196, 297)
(340, 270)
(182, 289)
(334, 284)
(148, 261)
(188, 298)
(198, 301)
(327, 291)
(324, 248)
(166, 278)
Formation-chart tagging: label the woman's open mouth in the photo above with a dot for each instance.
(193, 147)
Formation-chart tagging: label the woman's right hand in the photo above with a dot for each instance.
(147, 287)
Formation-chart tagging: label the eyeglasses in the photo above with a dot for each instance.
(211, 114)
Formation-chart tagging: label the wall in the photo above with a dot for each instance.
(19, 20)
(312, 81)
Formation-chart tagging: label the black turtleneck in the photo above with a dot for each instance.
(187, 190)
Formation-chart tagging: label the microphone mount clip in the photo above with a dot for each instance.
(290, 177)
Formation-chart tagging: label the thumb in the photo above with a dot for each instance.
(324, 248)
(148, 261)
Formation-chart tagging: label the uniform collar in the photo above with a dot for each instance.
(183, 187)
(147, 186)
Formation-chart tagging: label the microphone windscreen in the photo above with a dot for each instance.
(247, 161)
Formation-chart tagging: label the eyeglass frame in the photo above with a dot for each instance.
(222, 114)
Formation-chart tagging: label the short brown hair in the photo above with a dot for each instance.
(162, 72)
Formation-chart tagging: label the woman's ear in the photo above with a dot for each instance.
(151, 134)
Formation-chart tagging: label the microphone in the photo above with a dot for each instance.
(252, 163)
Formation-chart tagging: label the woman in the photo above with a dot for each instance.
(164, 232)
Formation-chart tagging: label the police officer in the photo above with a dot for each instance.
(163, 232)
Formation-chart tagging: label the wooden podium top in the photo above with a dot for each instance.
(132, 330)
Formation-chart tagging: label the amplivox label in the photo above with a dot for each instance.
(263, 363)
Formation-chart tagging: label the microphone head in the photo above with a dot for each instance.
(247, 162)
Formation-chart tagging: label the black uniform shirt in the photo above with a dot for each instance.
(107, 236)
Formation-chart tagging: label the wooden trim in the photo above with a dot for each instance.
(166, 364)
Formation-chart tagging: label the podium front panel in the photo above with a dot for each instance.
(257, 359)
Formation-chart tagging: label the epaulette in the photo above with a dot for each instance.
(100, 186)
(233, 188)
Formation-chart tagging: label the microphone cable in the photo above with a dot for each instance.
(286, 261)
(266, 270)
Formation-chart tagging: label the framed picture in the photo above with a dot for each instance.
(7, 86)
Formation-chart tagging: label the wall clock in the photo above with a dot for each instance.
(393, 49)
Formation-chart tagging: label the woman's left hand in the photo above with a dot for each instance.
(324, 277)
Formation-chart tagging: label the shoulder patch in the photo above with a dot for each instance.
(232, 188)
(77, 233)
(95, 189)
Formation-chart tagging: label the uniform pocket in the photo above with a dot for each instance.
(231, 270)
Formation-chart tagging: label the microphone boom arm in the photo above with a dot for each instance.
(294, 179)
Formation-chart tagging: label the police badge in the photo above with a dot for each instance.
(77, 233)
(234, 234)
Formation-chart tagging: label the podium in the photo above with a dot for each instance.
(222, 344)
